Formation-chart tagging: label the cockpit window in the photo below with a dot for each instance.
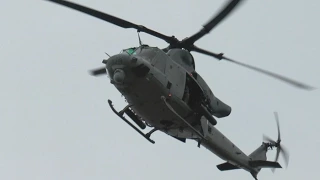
(130, 51)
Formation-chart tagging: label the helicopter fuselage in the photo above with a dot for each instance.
(164, 91)
(143, 78)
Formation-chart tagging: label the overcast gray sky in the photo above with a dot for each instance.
(55, 122)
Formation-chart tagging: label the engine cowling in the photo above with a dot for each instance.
(216, 107)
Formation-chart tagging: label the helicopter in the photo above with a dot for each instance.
(164, 91)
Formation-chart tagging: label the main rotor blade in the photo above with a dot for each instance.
(114, 20)
(274, 75)
(99, 71)
(213, 22)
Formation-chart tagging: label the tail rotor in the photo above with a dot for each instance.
(280, 149)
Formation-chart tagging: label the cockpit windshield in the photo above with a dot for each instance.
(130, 51)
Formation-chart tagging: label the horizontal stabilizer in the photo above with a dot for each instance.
(264, 164)
(226, 166)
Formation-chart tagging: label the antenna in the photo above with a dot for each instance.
(107, 54)
(140, 42)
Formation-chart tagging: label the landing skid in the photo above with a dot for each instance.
(120, 114)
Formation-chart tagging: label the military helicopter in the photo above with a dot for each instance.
(164, 92)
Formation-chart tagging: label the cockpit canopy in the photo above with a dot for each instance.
(145, 51)
(130, 51)
(180, 56)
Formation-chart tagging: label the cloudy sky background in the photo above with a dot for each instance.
(55, 122)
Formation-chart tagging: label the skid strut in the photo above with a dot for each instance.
(152, 131)
(120, 114)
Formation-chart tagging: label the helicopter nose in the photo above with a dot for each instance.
(121, 68)
(119, 61)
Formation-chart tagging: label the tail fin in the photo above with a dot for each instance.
(259, 158)
(260, 153)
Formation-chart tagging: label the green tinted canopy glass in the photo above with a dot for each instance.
(130, 50)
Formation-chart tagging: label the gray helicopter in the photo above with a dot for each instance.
(164, 92)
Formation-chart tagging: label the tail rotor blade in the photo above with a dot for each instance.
(278, 125)
(285, 155)
(277, 154)
(268, 139)
(277, 144)
(276, 159)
